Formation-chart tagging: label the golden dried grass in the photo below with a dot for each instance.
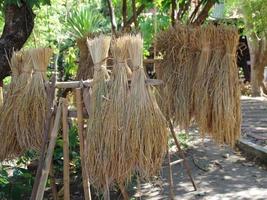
(116, 168)
(98, 48)
(32, 112)
(9, 145)
(147, 134)
(225, 89)
(207, 70)
(179, 48)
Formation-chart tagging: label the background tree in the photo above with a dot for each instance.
(19, 23)
(255, 18)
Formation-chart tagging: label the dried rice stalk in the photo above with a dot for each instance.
(98, 48)
(202, 83)
(146, 125)
(115, 165)
(177, 70)
(31, 114)
(9, 146)
(225, 95)
(213, 84)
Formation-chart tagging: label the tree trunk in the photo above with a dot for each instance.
(204, 13)
(124, 12)
(258, 49)
(173, 7)
(19, 22)
(86, 65)
(112, 17)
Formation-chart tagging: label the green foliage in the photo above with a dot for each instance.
(15, 187)
(254, 12)
(150, 25)
(84, 20)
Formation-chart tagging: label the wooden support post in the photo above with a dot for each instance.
(49, 155)
(86, 183)
(53, 182)
(180, 151)
(170, 175)
(50, 88)
(66, 170)
(1, 94)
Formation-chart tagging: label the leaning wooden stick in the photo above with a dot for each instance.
(170, 175)
(86, 183)
(53, 182)
(49, 154)
(180, 151)
(66, 173)
(50, 88)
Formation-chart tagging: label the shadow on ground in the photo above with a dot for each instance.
(219, 172)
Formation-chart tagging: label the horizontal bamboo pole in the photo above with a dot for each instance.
(88, 83)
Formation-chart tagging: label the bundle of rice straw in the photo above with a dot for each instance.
(200, 95)
(225, 91)
(115, 166)
(32, 111)
(146, 126)
(200, 75)
(179, 47)
(98, 48)
(9, 145)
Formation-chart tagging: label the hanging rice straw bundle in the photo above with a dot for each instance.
(177, 70)
(146, 125)
(201, 85)
(226, 92)
(9, 146)
(31, 114)
(114, 165)
(98, 48)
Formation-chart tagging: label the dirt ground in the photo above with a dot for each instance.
(219, 172)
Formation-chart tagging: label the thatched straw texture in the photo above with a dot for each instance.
(201, 100)
(31, 114)
(225, 90)
(179, 48)
(98, 48)
(9, 145)
(201, 79)
(116, 168)
(146, 126)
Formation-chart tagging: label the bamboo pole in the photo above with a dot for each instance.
(180, 151)
(1, 94)
(53, 182)
(49, 154)
(66, 170)
(170, 175)
(88, 83)
(50, 88)
(80, 121)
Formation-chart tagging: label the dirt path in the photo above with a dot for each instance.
(224, 174)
